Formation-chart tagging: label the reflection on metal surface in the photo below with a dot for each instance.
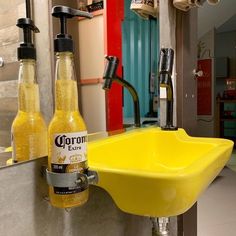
(97, 135)
(6, 155)
(1, 62)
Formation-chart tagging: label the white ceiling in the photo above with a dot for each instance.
(210, 17)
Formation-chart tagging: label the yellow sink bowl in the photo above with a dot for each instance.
(151, 172)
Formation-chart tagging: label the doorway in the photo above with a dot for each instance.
(217, 57)
(10, 11)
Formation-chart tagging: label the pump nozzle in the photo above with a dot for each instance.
(63, 41)
(26, 49)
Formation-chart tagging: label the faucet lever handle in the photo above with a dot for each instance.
(110, 71)
(68, 12)
(166, 60)
(111, 67)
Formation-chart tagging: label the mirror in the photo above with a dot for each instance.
(10, 36)
(217, 60)
(140, 53)
(140, 40)
(146, 52)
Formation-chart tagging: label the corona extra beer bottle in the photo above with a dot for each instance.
(67, 131)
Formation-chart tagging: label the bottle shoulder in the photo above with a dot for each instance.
(29, 119)
(67, 122)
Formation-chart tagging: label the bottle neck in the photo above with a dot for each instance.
(28, 91)
(27, 71)
(65, 66)
(66, 86)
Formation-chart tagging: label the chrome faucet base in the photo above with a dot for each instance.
(169, 127)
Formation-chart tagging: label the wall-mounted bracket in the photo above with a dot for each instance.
(70, 180)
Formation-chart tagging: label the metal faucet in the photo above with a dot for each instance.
(110, 75)
(165, 71)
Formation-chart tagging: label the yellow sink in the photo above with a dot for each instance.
(157, 173)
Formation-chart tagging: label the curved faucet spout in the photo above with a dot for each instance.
(134, 95)
(110, 75)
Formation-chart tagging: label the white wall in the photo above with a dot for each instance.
(91, 58)
(226, 47)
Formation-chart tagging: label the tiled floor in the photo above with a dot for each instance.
(217, 206)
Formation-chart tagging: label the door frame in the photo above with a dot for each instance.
(178, 30)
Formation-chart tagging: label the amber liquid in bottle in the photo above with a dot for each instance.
(67, 135)
(29, 130)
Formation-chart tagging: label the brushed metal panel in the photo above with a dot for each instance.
(24, 210)
(9, 71)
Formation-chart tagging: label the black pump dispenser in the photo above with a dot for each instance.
(27, 49)
(63, 41)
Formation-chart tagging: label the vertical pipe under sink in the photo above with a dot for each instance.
(160, 226)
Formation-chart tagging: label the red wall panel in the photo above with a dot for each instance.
(204, 88)
(114, 17)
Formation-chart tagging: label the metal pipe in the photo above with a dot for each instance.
(110, 75)
(28, 8)
(160, 226)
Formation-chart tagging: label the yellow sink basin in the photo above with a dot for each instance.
(152, 172)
